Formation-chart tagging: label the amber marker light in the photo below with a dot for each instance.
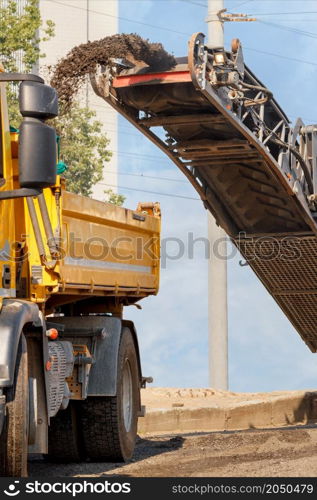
(52, 333)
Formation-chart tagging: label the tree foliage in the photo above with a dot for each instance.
(83, 148)
(114, 198)
(20, 43)
(83, 142)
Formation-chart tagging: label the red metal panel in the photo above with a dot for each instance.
(168, 77)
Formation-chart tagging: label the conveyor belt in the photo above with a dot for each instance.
(252, 171)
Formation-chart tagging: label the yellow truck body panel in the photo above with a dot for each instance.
(108, 249)
(7, 218)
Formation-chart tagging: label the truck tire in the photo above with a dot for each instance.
(109, 424)
(64, 440)
(14, 437)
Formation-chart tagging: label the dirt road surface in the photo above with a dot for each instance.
(280, 452)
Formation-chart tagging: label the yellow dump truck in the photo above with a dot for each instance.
(70, 371)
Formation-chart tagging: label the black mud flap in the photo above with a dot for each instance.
(14, 315)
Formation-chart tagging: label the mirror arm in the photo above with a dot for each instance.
(19, 193)
(20, 77)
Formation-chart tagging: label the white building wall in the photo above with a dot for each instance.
(76, 22)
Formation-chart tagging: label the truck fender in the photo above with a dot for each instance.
(103, 373)
(14, 315)
(130, 325)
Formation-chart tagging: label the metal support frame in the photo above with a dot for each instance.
(252, 105)
(236, 131)
(269, 139)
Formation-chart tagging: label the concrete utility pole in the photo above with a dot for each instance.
(217, 265)
(215, 26)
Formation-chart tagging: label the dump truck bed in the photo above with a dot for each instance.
(107, 252)
(110, 249)
(240, 180)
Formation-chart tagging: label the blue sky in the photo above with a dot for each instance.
(265, 352)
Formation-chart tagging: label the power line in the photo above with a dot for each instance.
(194, 3)
(310, 20)
(151, 159)
(283, 13)
(280, 56)
(121, 18)
(141, 155)
(205, 5)
(124, 132)
(289, 28)
(150, 192)
(243, 3)
(188, 34)
(156, 177)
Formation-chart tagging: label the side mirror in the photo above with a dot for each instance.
(37, 154)
(38, 101)
(37, 141)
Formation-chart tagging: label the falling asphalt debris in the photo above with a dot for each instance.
(70, 73)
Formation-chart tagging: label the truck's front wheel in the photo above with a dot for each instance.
(110, 423)
(14, 437)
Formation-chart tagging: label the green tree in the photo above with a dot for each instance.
(19, 41)
(83, 147)
(83, 143)
(114, 198)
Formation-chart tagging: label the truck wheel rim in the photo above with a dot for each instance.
(127, 402)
